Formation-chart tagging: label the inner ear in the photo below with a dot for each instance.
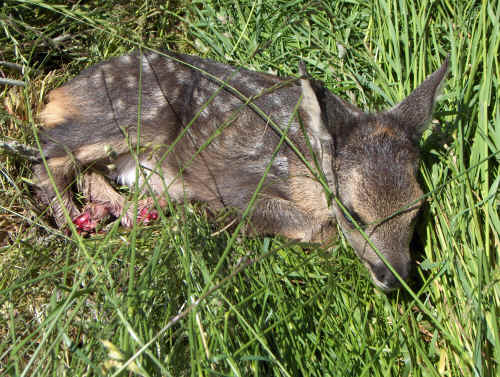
(311, 106)
(415, 111)
(330, 113)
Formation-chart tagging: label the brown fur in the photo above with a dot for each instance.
(381, 129)
(212, 134)
(60, 108)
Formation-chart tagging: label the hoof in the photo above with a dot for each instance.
(84, 223)
(147, 215)
(90, 218)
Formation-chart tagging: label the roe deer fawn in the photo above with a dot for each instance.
(187, 128)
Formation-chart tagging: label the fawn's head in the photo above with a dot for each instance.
(375, 167)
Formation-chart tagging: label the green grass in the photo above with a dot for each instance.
(167, 299)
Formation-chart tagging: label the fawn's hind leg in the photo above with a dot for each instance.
(104, 200)
(63, 173)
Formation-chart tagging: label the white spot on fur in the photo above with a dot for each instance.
(249, 83)
(130, 81)
(281, 162)
(225, 104)
(119, 105)
(199, 100)
(159, 177)
(205, 113)
(183, 75)
(170, 65)
(125, 170)
(156, 101)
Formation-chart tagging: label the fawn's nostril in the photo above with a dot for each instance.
(386, 277)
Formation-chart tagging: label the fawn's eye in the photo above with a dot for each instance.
(354, 217)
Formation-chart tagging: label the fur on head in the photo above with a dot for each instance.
(376, 165)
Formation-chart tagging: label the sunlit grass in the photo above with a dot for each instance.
(97, 306)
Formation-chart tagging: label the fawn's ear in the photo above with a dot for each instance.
(415, 111)
(331, 113)
(311, 106)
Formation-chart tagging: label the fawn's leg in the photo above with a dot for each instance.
(63, 173)
(103, 200)
(280, 216)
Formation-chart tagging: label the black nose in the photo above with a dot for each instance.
(386, 278)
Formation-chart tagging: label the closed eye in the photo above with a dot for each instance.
(354, 216)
